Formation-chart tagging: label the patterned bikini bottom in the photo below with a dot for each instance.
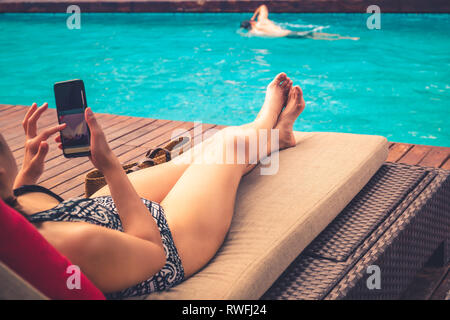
(102, 211)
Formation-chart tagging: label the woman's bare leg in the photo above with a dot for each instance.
(200, 205)
(154, 183)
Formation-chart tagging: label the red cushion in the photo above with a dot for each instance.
(25, 250)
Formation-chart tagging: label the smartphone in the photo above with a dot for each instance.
(70, 98)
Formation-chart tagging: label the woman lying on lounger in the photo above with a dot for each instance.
(124, 250)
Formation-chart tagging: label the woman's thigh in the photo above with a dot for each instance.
(199, 210)
(152, 183)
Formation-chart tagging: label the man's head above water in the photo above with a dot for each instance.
(246, 24)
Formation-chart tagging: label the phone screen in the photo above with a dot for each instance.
(71, 102)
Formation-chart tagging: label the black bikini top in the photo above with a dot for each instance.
(35, 188)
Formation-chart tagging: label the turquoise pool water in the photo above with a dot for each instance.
(393, 82)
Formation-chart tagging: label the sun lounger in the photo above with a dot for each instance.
(277, 216)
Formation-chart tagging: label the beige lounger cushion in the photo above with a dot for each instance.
(277, 216)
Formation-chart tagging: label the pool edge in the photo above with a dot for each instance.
(219, 6)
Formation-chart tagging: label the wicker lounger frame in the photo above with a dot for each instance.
(396, 222)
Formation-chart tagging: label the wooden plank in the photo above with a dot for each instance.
(138, 132)
(12, 119)
(415, 155)
(4, 107)
(13, 122)
(10, 110)
(132, 123)
(397, 151)
(436, 157)
(211, 131)
(150, 135)
(446, 165)
(157, 139)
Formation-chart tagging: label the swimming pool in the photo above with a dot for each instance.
(199, 67)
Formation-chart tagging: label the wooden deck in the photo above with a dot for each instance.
(131, 137)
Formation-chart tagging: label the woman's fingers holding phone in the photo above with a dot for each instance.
(92, 121)
(101, 154)
(58, 140)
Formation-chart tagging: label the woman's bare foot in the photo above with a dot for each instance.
(276, 97)
(294, 106)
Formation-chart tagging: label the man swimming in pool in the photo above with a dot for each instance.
(260, 25)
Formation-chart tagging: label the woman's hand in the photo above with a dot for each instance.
(101, 156)
(36, 146)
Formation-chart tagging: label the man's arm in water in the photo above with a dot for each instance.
(261, 13)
